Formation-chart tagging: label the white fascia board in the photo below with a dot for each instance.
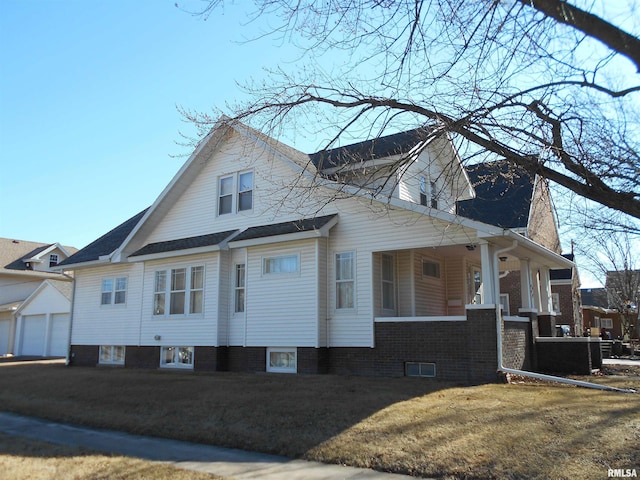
(77, 266)
(174, 253)
(551, 259)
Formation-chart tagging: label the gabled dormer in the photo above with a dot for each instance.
(420, 166)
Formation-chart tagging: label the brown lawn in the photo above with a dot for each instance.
(407, 425)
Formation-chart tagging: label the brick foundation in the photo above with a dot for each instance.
(84, 355)
(564, 355)
(142, 357)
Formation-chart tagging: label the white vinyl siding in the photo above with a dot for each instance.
(282, 308)
(107, 326)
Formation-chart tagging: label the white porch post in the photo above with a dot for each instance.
(489, 274)
(525, 284)
(47, 334)
(545, 290)
(537, 304)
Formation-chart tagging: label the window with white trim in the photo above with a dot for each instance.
(282, 360)
(504, 301)
(430, 268)
(428, 195)
(176, 357)
(235, 193)
(388, 283)
(53, 260)
(419, 369)
(112, 354)
(114, 291)
(345, 280)
(606, 323)
(179, 291)
(239, 282)
(555, 302)
(281, 264)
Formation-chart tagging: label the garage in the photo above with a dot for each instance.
(33, 334)
(59, 335)
(5, 332)
(42, 321)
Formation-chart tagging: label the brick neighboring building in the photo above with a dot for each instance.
(510, 197)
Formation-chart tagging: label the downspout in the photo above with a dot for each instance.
(538, 376)
(67, 360)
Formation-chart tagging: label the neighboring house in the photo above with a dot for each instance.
(35, 300)
(258, 257)
(606, 308)
(508, 196)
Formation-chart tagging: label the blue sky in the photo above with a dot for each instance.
(89, 128)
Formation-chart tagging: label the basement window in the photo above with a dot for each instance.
(282, 360)
(419, 369)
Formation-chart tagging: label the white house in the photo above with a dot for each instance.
(35, 300)
(258, 257)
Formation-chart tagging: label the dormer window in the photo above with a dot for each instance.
(53, 260)
(428, 193)
(235, 193)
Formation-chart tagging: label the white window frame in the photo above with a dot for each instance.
(555, 302)
(236, 192)
(266, 260)
(239, 287)
(504, 301)
(345, 281)
(437, 265)
(391, 282)
(112, 354)
(177, 355)
(113, 291)
(606, 323)
(165, 293)
(53, 260)
(424, 369)
(282, 369)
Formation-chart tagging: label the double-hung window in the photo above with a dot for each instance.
(179, 291)
(114, 291)
(235, 193)
(53, 260)
(345, 280)
(428, 193)
(239, 283)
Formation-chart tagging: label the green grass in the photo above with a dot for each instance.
(405, 425)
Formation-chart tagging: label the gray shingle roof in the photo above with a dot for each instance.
(106, 244)
(183, 243)
(396, 144)
(284, 228)
(13, 253)
(504, 193)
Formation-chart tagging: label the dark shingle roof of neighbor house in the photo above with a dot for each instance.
(284, 228)
(106, 244)
(381, 147)
(504, 193)
(184, 243)
(595, 297)
(13, 253)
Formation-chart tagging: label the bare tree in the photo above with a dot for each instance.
(546, 84)
(614, 257)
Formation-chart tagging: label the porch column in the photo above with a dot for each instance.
(525, 284)
(537, 304)
(488, 274)
(545, 290)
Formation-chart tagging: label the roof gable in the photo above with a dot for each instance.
(504, 193)
(14, 254)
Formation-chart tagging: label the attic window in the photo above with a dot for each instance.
(53, 260)
(428, 196)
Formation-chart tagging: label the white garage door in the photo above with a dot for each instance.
(5, 327)
(59, 335)
(33, 334)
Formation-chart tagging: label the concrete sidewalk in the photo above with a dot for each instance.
(220, 461)
(635, 362)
